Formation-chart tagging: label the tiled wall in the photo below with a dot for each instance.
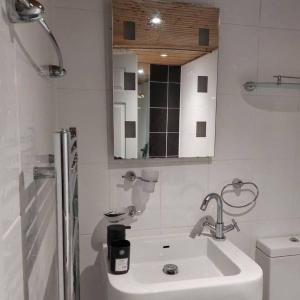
(164, 110)
(27, 114)
(257, 134)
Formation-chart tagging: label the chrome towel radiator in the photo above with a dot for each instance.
(66, 163)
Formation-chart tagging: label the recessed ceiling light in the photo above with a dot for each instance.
(141, 71)
(155, 20)
(164, 55)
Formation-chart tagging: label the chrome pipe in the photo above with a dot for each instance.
(53, 71)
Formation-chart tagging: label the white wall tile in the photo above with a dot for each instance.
(182, 191)
(256, 127)
(93, 196)
(93, 285)
(38, 279)
(4, 23)
(81, 36)
(11, 273)
(237, 57)
(241, 12)
(27, 110)
(36, 115)
(283, 227)
(9, 140)
(86, 110)
(278, 53)
(91, 5)
(275, 179)
(88, 255)
(280, 14)
(124, 195)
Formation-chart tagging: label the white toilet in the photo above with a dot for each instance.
(279, 258)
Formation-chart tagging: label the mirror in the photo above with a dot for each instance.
(164, 79)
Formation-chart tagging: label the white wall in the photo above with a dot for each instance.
(198, 107)
(27, 114)
(257, 135)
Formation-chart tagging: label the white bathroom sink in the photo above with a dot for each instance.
(207, 270)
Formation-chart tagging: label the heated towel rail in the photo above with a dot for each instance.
(66, 163)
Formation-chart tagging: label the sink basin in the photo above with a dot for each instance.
(207, 269)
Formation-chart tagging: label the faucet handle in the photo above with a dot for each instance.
(132, 211)
(235, 225)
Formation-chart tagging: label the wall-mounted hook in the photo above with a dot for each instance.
(131, 176)
(43, 172)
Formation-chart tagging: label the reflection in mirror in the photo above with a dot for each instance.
(164, 79)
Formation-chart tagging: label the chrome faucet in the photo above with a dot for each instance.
(218, 228)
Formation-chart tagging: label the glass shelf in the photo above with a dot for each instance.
(250, 86)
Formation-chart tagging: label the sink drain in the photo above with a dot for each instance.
(294, 240)
(170, 269)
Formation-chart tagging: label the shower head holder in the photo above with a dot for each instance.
(25, 11)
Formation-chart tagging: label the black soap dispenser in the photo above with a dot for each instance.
(115, 232)
(119, 257)
(118, 249)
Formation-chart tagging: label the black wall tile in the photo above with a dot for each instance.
(174, 95)
(129, 81)
(157, 145)
(129, 30)
(159, 73)
(201, 129)
(173, 120)
(158, 94)
(158, 120)
(130, 129)
(174, 74)
(203, 37)
(202, 84)
(173, 144)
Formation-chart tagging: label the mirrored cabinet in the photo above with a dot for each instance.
(164, 79)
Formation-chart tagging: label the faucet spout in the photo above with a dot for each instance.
(218, 228)
(218, 199)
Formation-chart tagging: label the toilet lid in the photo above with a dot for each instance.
(279, 246)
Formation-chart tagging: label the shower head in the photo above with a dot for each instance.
(25, 10)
